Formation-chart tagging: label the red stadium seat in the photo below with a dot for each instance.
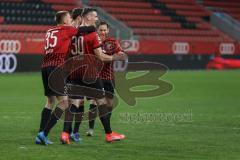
(138, 11)
(180, 32)
(221, 3)
(149, 22)
(24, 28)
(17, 1)
(231, 7)
(192, 13)
(162, 21)
(1, 20)
(59, 7)
(119, 4)
(184, 7)
(178, 1)
(184, 38)
(134, 17)
(194, 19)
(21, 35)
(66, 2)
(140, 24)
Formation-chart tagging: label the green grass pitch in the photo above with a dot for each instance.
(212, 98)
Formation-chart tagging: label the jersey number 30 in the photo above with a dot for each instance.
(77, 45)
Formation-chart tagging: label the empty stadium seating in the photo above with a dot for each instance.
(27, 13)
(30, 18)
(33, 12)
(231, 7)
(24, 28)
(154, 22)
(164, 19)
(1, 20)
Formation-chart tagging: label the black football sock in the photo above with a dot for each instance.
(78, 118)
(68, 119)
(92, 115)
(103, 114)
(70, 129)
(109, 114)
(55, 116)
(45, 116)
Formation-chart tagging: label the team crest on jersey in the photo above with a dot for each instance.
(110, 46)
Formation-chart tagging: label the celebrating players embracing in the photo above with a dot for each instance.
(87, 78)
(57, 44)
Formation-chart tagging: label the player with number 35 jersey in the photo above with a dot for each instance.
(57, 44)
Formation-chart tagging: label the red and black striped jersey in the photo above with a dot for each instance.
(57, 44)
(107, 72)
(87, 65)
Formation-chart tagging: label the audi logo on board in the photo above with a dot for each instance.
(120, 66)
(227, 48)
(8, 63)
(180, 48)
(10, 46)
(130, 45)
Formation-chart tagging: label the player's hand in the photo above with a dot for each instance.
(120, 57)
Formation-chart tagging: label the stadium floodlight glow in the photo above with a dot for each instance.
(8, 63)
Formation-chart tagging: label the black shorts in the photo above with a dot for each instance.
(46, 71)
(108, 86)
(92, 89)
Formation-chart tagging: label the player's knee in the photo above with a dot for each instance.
(50, 102)
(92, 101)
(110, 102)
(75, 102)
(81, 103)
(63, 102)
(101, 101)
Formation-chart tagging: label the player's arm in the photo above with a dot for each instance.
(85, 29)
(120, 52)
(98, 51)
(119, 49)
(107, 58)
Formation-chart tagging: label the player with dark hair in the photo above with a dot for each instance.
(76, 102)
(110, 46)
(87, 76)
(57, 43)
(76, 108)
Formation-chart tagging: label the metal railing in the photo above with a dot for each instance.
(227, 24)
